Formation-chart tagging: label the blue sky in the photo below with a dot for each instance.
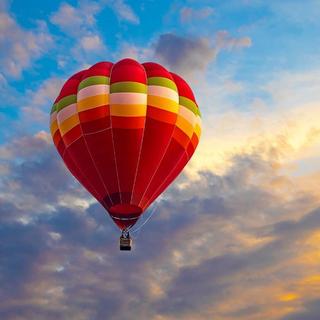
(71, 35)
(248, 203)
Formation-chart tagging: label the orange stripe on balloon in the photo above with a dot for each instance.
(68, 124)
(185, 126)
(54, 127)
(163, 103)
(131, 110)
(181, 137)
(93, 102)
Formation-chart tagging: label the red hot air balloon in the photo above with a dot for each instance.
(125, 131)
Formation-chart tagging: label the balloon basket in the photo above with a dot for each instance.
(125, 242)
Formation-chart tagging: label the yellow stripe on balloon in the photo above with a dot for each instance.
(68, 124)
(163, 103)
(54, 127)
(185, 126)
(197, 130)
(92, 102)
(132, 110)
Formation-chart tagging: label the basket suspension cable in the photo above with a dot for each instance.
(125, 239)
(155, 206)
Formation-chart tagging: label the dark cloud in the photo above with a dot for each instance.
(20, 248)
(65, 263)
(184, 55)
(36, 176)
(190, 55)
(294, 229)
(208, 284)
(311, 312)
(245, 312)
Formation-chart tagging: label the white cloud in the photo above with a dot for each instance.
(127, 50)
(188, 14)
(22, 46)
(74, 20)
(79, 24)
(124, 11)
(40, 100)
(91, 43)
(286, 127)
(291, 89)
(225, 41)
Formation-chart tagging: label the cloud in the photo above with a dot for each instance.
(226, 232)
(19, 254)
(237, 243)
(292, 89)
(188, 14)
(79, 23)
(124, 11)
(188, 56)
(76, 20)
(210, 286)
(10, 94)
(25, 146)
(4, 5)
(184, 55)
(36, 179)
(91, 43)
(23, 47)
(127, 50)
(285, 122)
(311, 312)
(225, 41)
(251, 226)
(39, 101)
(193, 54)
(81, 19)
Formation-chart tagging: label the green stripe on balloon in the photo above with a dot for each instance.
(128, 86)
(90, 81)
(66, 101)
(54, 108)
(163, 82)
(189, 104)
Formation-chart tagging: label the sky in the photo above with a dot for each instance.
(237, 235)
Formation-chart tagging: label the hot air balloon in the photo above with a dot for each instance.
(125, 131)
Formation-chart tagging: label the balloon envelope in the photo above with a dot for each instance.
(125, 131)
